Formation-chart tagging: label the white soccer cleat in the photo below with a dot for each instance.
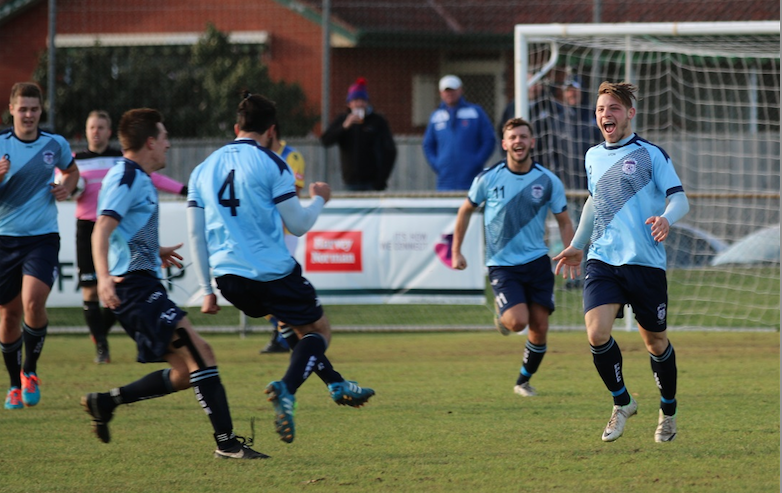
(616, 425)
(525, 389)
(666, 428)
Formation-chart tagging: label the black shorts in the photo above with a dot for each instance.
(21, 256)
(292, 299)
(84, 253)
(532, 282)
(147, 315)
(645, 289)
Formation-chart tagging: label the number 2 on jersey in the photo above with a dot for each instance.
(232, 202)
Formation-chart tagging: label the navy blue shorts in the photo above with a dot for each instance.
(645, 289)
(21, 256)
(532, 282)
(291, 300)
(84, 253)
(147, 315)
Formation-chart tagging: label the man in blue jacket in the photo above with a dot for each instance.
(459, 138)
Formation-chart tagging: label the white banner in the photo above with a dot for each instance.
(360, 251)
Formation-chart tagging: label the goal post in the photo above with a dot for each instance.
(709, 94)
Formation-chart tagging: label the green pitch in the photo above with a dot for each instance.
(444, 419)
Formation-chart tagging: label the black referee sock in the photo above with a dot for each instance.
(533, 355)
(211, 396)
(665, 374)
(12, 356)
(155, 384)
(93, 315)
(608, 361)
(108, 320)
(33, 345)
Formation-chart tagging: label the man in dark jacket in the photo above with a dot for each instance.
(366, 147)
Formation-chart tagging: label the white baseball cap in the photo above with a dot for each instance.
(450, 82)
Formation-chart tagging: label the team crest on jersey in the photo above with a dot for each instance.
(537, 192)
(628, 166)
(661, 313)
(48, 157)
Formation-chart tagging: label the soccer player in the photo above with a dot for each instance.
(238, 199)
(94, 163)
(518, 193)
(29, 237)
(128, 260)
(626, 219)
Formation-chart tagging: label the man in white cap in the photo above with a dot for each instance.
(459, 138)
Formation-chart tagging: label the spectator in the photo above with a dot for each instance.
(459, 138)
(367, 150)
(579, 132)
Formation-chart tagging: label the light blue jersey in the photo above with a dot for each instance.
(27, 207)
(515, 214)
(629, 183)
(128, 195)
(238, 186)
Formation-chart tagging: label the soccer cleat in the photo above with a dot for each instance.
(31, 395)
(497, 323)
(348, 393)
(284, 403)
(102, 354)
(244, 452)
(666, 428)
(100, 416)
(14, 399)
(616, 425)
(525, 389)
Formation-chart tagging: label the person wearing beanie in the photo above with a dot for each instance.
(366, 147)
(459, 138)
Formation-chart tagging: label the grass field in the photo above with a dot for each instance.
(445, 419)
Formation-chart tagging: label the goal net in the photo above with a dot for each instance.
(709, 95)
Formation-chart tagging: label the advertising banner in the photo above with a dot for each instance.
(360, 251)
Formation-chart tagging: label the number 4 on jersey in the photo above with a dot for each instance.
(231, 201)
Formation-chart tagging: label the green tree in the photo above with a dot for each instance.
(196, 87)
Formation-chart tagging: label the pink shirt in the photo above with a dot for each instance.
(93, 167)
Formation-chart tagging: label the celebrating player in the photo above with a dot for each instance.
(238, 199)
(128, 259)
(518, 193)
(626, 219)
(94, 163)
(29, 237)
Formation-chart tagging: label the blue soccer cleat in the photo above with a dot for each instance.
(14, 399)
(284, 404)
(31, 394)
(348, 393)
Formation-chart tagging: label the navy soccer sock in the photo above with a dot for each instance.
(211, 396)
(533, 355)
(33, 345)
(155, 384)
(608, 361)
(12, 356)
(665, 374)
(309, 355)
(323, 368)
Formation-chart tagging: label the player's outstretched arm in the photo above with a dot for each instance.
(300, 219)
(104, 226)
(200, 251)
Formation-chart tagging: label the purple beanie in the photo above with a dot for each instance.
(358, 90)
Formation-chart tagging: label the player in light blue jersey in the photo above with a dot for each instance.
(128, 260)
(518, 193)
(626, 219)
(29, 237)
(238, 199)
